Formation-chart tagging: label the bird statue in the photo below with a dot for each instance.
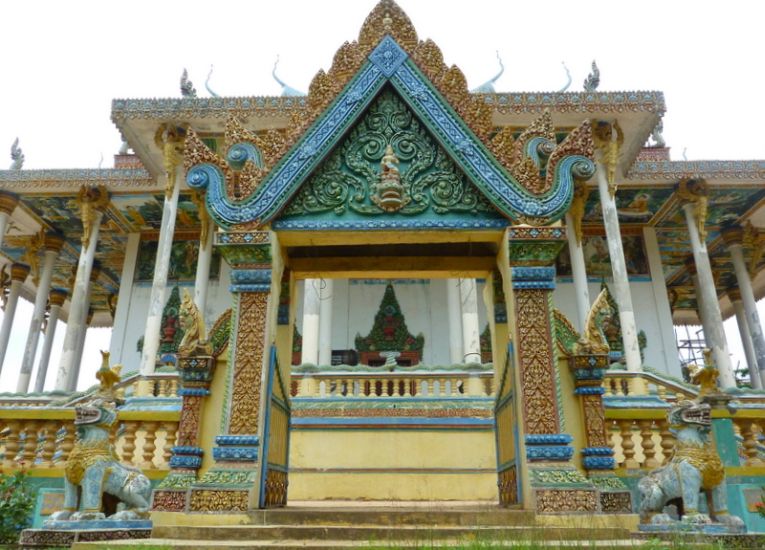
(187, 87)
(17, 156)
(592, 81)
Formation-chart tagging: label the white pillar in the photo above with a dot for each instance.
(19, 274)
(57, 297)
(74, 377)
(661, 301)
(715, 338)
(121, 313)
(746, 337)
(733, 238)
(578, 272)
(311, 309)
(619, 268)
(455, 320)
(74, 373)
(159, 283)
(471, 336)
(700, 309)
(53, 244)
(202, 281)
(78, 307)
(325, 322)
(8, 202)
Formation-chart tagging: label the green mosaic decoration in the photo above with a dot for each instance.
(566, 336)
(608, 482)
(177, 480)
(390, 333)
(534, 253)
(542, 476)
(297, 340)
(221, 333)
(170, 333)
(485, 339)
(228, 478)
(347, 182)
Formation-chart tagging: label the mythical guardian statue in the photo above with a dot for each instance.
(695, 467)
(593, 340)
(93, 470)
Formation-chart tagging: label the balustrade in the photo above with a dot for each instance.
(43, 438)
(404, 385)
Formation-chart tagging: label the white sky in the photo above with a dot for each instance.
(63, 62)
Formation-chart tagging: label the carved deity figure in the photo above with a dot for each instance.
(93, 468)
(389, 194)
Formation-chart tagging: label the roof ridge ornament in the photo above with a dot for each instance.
(568, 78)
(287, 91)
(488, 86)
(187, 87)
(592, 81)
(207, 83)
(17, 156)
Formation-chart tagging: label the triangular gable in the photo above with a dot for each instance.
(389, 63)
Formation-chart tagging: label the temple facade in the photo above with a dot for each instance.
(409, 291)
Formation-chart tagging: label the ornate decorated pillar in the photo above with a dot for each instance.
(325, 322)
(93, 200)
(311, 312)
(171, 139)
(52, 244)
(8, 202)
(55, 301)
(734, 294)
(608, 139)
(245, 465)
(19, 273)
(693, 193)
(471, 334)
(455, 320)
(734, 237)
(119, 328)
(554, 482)
(576, 252)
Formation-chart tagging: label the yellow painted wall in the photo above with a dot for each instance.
(392, 465)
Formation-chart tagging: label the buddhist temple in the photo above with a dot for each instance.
(388, 289)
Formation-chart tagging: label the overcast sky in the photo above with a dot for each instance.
(63, 62)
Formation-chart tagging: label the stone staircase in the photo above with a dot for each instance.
(414, 527)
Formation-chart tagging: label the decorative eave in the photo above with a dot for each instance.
(588, 103)
(69, 181)
(739, 171)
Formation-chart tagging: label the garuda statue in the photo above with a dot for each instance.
(695, 467)
(93, 470)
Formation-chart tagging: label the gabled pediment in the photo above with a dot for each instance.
(526, 179)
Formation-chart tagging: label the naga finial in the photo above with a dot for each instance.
(568, 77)
(187, 87)
(287, 91)
(207, 83)
(592, 81)
(17, 156)
(488, 86)
(593, 341)
(193, 326)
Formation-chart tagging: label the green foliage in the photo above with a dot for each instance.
(17, 502)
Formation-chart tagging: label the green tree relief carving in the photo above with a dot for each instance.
(347, 180)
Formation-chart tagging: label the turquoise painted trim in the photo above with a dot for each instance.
(267, 426)
(507, 195)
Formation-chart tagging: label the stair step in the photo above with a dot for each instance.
(382, 534)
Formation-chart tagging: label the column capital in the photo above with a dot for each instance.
(690, 265)
(8, 202)
(694, 193)
(19, 272)
(91, 199)
(57, 297)
(52, 241)
(608, 138)
(734, 294)
(171, 139)
(732, 235)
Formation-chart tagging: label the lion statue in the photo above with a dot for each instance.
(695, 468)
(94, 478)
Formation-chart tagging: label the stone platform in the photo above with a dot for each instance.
(68, 533)
(377, 527)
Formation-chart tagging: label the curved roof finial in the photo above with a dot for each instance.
(568, 77)
(17, 156)
(207, 83)
(488, 86)
(287, 91)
